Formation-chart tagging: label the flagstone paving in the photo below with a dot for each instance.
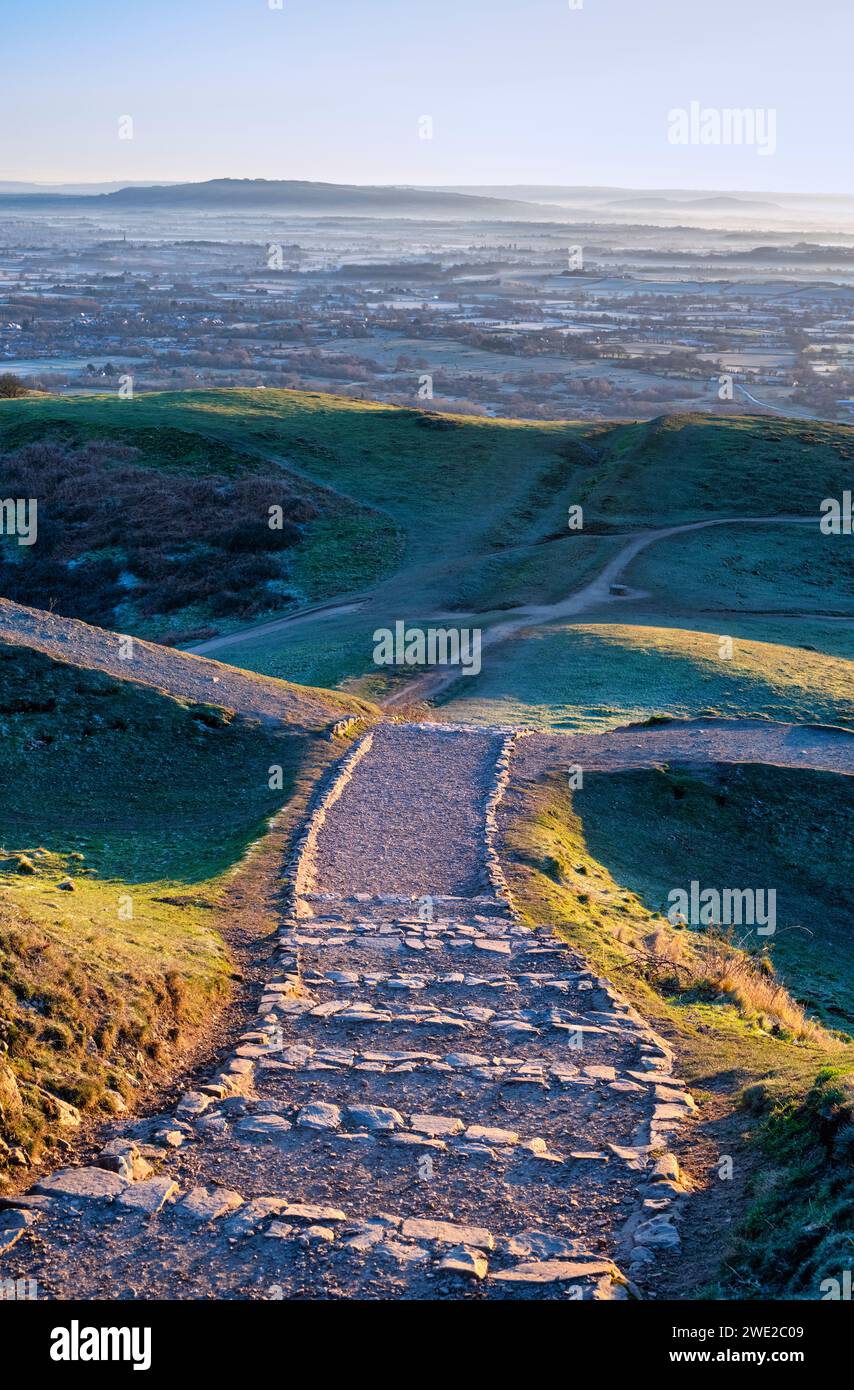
(434, 1101)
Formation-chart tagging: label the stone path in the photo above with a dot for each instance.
(433, 1102)
(176, 672)
(690, 742)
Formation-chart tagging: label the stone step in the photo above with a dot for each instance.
(512, 1080)
(363, 1122)
(505, 1015)
(358, 1026)
(316, 1058)
(457, 982)
(374, 982)
(418, 910)
(297, 1246)
(586, 1114)
(490, 941)
(454, 1072)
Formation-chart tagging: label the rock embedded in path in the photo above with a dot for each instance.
(265, 1126)
(150, 1195)
(464, 1060)
(448, 1233)
(171, 1136)
(26, 1201)
(212, 1126)
(314, 1235)
(249, 1217)
(200, 1204)
(83, 1184)
(657, 1234)
(436, 1126)
(485, 1134)
(541, 1244)
(279, 1230)
(13, 1224)
(192, 1105)
(311, 1211)
(418, 1141)
(555, 1271)
(377, 1118)
(400, 1252)
(463, 1259)
(319, 1115)
(122, 1156)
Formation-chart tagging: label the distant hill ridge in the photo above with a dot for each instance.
(290, 195)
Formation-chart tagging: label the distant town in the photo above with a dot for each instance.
(548, 320)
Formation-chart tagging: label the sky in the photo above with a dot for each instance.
(516, 91)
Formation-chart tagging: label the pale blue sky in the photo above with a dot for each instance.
(528, 91)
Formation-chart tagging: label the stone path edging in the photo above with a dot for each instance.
(301, 1080)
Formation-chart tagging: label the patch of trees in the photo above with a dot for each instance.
(12, 386)
(117, 537)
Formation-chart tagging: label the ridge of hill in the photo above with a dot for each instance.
(295, 196)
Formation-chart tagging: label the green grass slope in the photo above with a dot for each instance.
(166, 533)
(743, 826)
(123, 814)
(689, 467)
(444, 476)
(768, 570)
(429, 514)
(596, 676)
(441, 478)
(775, 1087)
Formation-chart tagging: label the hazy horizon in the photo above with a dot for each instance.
(522, 189)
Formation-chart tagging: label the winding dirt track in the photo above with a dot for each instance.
(191, 675)
(592, 595)
(318, 613)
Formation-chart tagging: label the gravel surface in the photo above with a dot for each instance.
(178, 673)
(412, 819)
(433, 1101)
(690, 741)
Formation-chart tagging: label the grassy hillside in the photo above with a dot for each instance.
(445, 474)
(688, 467)
(122, 816)
(742, 1015)
(439, 477)
(423, 514)
(167, 534)
(742, 569)
(743, 826)
(583, 677)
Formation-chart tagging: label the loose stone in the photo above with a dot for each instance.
(463, 1259)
